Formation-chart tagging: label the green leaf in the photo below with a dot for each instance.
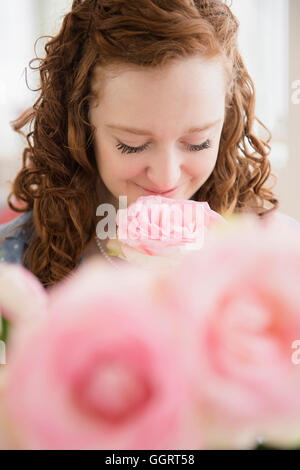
(4, 328)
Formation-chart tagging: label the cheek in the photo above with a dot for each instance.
(128, 169)
(113, 166)
(203, 164)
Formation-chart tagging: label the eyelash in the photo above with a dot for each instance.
(192, 148)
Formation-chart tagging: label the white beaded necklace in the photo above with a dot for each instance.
(106, 255)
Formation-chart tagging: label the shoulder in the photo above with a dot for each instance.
(14, 238)
(286, 219)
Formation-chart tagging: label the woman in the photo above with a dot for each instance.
(172, 73)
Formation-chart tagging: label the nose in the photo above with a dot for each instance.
(164, 172)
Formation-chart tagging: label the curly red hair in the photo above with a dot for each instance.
(59, 174)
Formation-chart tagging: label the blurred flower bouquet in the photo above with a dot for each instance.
(202, 356)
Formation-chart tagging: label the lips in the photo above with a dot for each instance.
(170, 191)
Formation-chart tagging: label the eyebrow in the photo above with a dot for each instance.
(132, 130)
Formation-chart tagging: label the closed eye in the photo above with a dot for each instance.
(192, 148)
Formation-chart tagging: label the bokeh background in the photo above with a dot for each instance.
(269, 42)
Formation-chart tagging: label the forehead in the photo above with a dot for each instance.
(186, 92)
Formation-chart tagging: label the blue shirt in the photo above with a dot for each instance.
(13, 247)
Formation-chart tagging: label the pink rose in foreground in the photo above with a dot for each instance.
(101, 371)
(242, 296)
(7, 432)
(162, 227)
(18, 288)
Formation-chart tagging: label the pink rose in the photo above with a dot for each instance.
(8, 436)
(17, 289)
(162, 227)
(101, 370)
(242, 296)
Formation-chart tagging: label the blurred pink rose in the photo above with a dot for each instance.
(17, 289)
(162, 227)
(101, 371)
(242, 296)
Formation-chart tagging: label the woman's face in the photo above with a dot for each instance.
(159, 129)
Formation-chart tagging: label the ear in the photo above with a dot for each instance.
(22, 296)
